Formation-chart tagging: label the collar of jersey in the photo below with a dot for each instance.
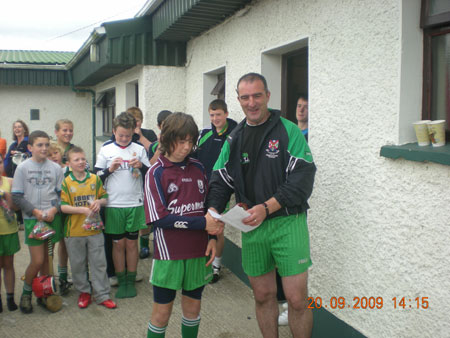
(122, 147)
(167, 163)
(72, 176)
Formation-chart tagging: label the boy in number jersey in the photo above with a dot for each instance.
(175, 192)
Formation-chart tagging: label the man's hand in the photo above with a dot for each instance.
(115, 164)
(257, 215)
(211, 251)
(213, 226)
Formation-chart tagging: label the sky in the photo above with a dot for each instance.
(62, 25)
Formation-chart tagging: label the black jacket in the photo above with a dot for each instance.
(285, 169)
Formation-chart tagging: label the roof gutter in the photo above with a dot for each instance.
(79, 90)
(33, 66)
(149, 8)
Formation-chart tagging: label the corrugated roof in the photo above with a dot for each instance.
(34, 57)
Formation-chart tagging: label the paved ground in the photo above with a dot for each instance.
(227, 312)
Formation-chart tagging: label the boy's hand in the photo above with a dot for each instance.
(38, 214)
(95, 206)
(49, 216)
(86, 211)
(135, 163)
(211, 251)
(213, 226)
(115, 164)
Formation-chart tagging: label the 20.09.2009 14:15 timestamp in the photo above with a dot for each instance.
(367, 303)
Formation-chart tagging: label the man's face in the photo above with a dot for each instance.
(253, 99)
(123, 136)
(39, 148)
(302, 110)
(218, 118)
(65, 133)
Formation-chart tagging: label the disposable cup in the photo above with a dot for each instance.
(436, 130)
(421, 129)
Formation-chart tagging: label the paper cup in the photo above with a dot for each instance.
(436, 130)
(421, 129)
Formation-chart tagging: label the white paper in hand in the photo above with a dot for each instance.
(234, 218)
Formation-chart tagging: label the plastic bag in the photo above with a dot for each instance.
(93, 222)
(41, 231)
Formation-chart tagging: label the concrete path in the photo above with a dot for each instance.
(227, 312)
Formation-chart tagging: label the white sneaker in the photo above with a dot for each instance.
(283, 318)
(113, 281)
(285, 306)
(139, 277)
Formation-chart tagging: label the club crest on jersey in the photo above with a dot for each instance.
(244, 158)
(272, 150)
(172, 188)
(73, 189)
(93, 186)
(201, 186)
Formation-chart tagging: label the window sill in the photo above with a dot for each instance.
(103, 138)
(412, 152)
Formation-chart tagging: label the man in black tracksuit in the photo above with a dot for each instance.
(209, 145)
(267, 163)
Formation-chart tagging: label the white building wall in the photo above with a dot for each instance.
(378, 227)
(54, 103)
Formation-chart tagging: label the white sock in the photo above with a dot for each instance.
(217, 262)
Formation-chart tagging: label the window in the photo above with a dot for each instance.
(219, 88)
(107, 104)
(435, 22)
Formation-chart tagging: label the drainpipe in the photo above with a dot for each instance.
(77, 90)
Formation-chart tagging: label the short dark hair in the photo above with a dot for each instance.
(124, 120)
(218, 104)
(25, 128)
(250, 77)
(177, 126)
(303, 96)
(36, 134)
(74, 150)
(162, 115)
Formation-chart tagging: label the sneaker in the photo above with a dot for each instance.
(25, 304)
(284, 306)
(64, 287)
(109, 304)
(139, 278)
(145, 253)
(216, 274)
(84, 300)
(11, 304)
(283, 318)
(113, 281)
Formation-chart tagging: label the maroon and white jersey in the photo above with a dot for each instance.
(174, 202)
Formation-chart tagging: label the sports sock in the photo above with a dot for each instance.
(217, 262)
(1, 305)
(12, 306)
(122, 279)
(131, 289)
(156, 332)
(62, 271)
(27, 289)
(143, 241)
(189, 327)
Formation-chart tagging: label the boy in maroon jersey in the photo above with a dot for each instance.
(185, 243)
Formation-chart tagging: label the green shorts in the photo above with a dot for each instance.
(187, 274)
(122, 220)
(281, 242)
(9, 244)
(55, 225)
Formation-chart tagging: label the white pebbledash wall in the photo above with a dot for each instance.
(54, 103)
(378, 227)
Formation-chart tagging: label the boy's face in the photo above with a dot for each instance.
(77, 161)
(39, 148)
(181, 149)
(218, 118)
(55, 156)
(123, 136)
(65, 133)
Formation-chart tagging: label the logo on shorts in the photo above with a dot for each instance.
(272, 150)
(201, 186)
(172, 188)
(303, 261)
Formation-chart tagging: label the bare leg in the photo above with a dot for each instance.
(119, 255)
(265, 291)
(131, 254)
(9, 275)
(299, 316)
(161, 314)
(37, 259)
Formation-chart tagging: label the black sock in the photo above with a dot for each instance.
(10, 302)
(1, 306)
